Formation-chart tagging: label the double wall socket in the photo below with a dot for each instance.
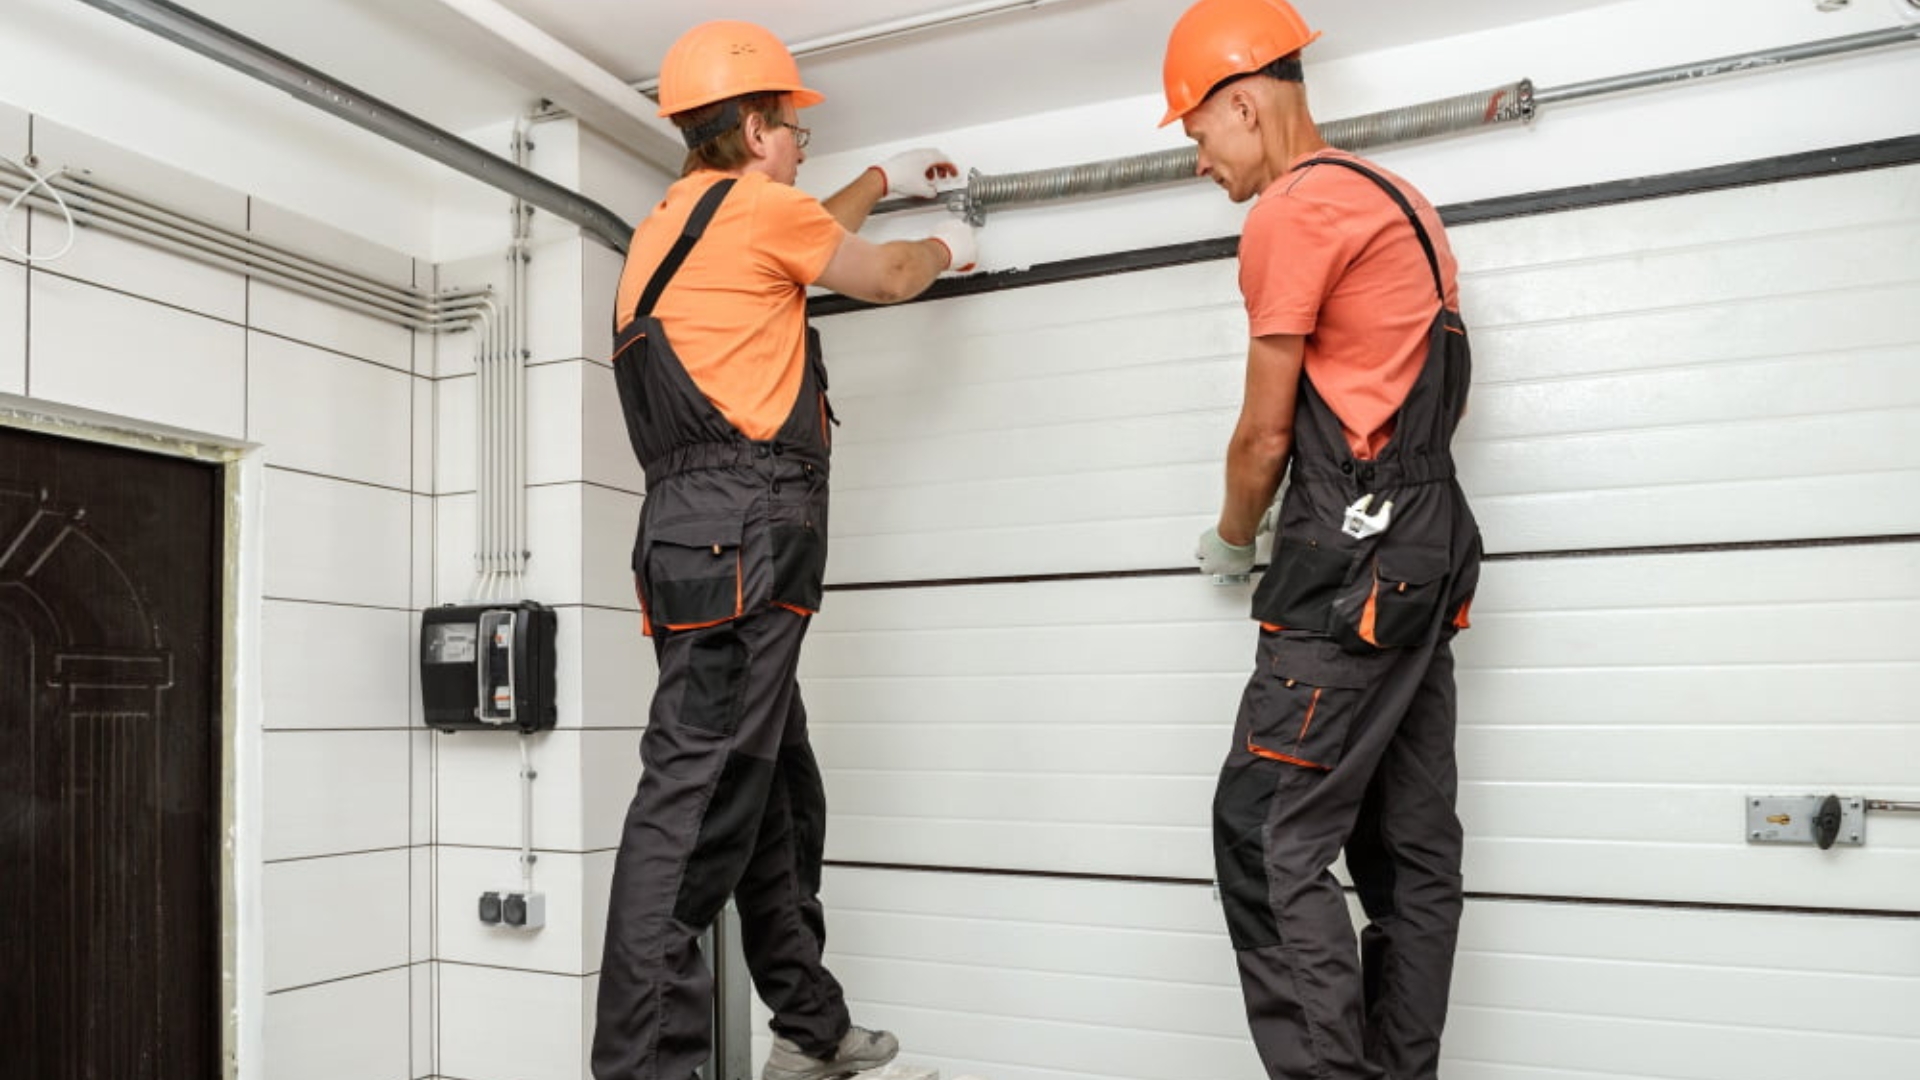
(515, 909)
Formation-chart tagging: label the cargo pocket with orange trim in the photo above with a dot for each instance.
(1312, 692)
(1395, 603)
(691, 572)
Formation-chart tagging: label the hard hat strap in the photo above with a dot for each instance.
(724, 121)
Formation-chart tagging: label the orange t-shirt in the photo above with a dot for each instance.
(1327, 254)
(736, 310)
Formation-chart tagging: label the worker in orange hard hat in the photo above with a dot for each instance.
(724, 392)
(1357, 374)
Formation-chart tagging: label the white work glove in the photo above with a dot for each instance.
(1221, 559)
(912, 172)
(963, 252)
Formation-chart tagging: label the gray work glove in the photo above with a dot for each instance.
(1221, 559)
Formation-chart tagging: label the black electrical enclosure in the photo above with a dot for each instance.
(488, 666)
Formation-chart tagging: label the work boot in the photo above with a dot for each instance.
(858, 1051)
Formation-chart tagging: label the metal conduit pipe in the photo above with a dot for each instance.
(1503, 105)
(249, 57)
(95, 205)
(1516, 102)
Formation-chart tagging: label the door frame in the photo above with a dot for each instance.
(242, 922)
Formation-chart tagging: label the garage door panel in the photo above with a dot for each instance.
(1697, 369)
(1721, 337)
(1846, 201)
(1038, 979)
(1622, 704)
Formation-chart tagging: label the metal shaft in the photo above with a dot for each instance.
(245, 55)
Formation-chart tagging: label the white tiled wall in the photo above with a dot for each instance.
(13, 328)
(343, 426)
(114, 352)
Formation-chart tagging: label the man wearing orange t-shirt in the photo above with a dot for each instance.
(725, 397)
(1357, 374)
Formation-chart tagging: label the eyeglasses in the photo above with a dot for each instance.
(801, 136)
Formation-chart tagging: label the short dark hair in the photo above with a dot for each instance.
(720, 130)
(1287, 69)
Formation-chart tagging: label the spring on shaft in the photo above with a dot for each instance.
(1503, 105)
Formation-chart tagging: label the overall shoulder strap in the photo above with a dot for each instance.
(690, 235)
(1406, 207)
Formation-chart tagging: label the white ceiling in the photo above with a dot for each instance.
(1037, 56)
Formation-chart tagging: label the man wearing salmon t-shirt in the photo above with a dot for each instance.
(1357, 374)
(725, 396)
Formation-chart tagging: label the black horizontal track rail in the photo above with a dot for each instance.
(1885, 153)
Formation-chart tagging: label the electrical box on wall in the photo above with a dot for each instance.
(488, 666)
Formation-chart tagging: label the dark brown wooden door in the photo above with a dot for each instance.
(109, 763)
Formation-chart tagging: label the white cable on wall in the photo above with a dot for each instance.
(43, 183)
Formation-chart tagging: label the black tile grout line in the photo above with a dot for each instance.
(270, 598)
(338, 855)
(350, 480)
(407, 967)
(1727, 547)
(245, 325)
(1802, 165)
(1492, 897)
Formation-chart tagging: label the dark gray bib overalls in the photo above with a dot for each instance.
(1344, 739)
(728, 562)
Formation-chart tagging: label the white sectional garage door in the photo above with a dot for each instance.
(1694, 446)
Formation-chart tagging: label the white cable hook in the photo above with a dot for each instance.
(66, 212)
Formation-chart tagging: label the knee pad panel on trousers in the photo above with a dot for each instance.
(1240, 806)
(726, 840)
(716, 680)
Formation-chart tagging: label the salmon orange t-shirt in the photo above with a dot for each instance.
(736, 310)
(1326, 254)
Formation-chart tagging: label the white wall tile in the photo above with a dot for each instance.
(103, 350)
(322, 412)
(334, 792)
(610, 770)
(331, 666)
(557, 948)
(609, 459)
(110, 165)
(14, 130)
(453, 547)
(455, 429)
(607, 671)
(553, 535)
(553, 428)
(13, 328)
(607, 521)
(596, 894)
(337, 541)
(352, 1030)
(420, 871)
(475, 1045)
(148, 271)
(328, 326)
(333, 918)
(424, 509)
(420, 389)
(426, 1020)
(420, 743)
(585, 781)
(554, 297)
(286, 228)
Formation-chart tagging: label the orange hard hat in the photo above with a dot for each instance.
(1217, 39)
(724, 59)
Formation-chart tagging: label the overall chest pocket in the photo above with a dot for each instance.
(690, 572)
